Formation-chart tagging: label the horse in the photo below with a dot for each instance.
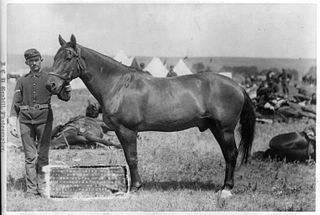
(133, 101)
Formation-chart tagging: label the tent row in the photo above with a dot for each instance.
(125, 60)
(156, 67)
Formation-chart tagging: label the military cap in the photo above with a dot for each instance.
(30, 53)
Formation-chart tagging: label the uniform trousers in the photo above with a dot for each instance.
(36, 143)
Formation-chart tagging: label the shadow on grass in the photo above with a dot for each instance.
(16, 184)
(175, 185)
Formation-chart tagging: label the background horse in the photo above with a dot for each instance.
(133, 101)
(81, 131)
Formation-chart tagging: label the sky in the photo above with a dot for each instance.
(168, 30)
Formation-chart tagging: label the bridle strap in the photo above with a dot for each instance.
(60, 76)
(80, 61)
(80, 65)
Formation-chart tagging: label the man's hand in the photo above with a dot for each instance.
(65, 93)
(68, 88)
(13, 126)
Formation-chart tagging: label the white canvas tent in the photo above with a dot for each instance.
(134, 62)
(181, 68)
(123, 58)
(77, 84)
(227, 74)
(156, 68)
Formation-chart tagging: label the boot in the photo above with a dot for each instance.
(42, 186)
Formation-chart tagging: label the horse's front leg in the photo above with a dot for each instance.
(128, 139)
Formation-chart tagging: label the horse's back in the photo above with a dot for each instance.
(183, 101)
(149, 103)
(201, 81)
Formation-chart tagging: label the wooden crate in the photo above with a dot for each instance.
(88, 173)
(86, 181)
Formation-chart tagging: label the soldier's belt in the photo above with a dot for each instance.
(35, 107)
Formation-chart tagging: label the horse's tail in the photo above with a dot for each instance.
(247, 122)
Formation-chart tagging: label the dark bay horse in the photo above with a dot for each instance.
(133, 101)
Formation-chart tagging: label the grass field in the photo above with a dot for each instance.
(181, 171)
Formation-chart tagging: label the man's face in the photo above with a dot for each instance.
(34, 63)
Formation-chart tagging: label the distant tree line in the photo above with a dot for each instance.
(248, 71)
(243, 70)
(17, 76)
(198, 67)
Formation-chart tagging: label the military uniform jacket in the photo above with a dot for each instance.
(31, 90)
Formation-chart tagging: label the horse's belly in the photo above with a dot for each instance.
(174, 120)
(169, 126)
(175, 111)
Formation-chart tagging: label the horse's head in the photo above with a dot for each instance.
(68, 65)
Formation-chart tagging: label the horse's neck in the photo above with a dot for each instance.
(95, 61)
(101, 73)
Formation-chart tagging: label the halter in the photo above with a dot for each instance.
(80, 65)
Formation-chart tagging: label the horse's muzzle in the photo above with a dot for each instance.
(53, 86)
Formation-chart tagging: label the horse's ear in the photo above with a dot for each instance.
(73, 41)
(61, 41)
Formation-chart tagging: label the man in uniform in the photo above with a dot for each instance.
(31, 104)
(171, 72)
(284, 82)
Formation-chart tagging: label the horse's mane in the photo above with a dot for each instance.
(115, 62)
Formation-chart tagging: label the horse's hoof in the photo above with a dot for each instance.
(135, 188)
(225, 194)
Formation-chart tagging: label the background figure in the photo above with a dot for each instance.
(142, 66)
(171, 73)
(272, 82)
(284, 79)
(247, 82)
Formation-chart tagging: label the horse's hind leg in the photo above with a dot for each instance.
(128, 139)
(225, 138)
